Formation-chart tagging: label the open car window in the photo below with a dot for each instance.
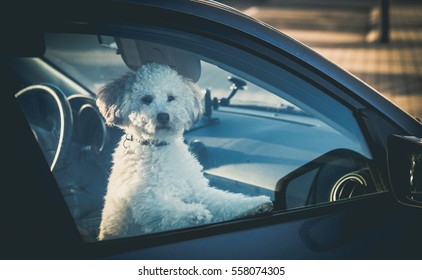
(264, 130)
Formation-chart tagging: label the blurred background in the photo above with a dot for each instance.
(379, 41)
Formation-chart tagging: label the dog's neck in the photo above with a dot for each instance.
(129, 138)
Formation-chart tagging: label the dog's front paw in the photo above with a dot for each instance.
(203, 217)
(200, 216)
(264, 205)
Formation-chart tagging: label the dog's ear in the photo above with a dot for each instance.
(110, 98)
(197, 98)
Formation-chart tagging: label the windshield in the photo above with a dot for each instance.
(84, 58)
(95, 61)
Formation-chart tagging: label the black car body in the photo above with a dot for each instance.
(342, 163)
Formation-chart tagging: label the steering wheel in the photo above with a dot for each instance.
(50, 117)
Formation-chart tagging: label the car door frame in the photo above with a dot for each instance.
(246, 238)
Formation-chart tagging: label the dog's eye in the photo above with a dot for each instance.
(170, 98)
(147, 99)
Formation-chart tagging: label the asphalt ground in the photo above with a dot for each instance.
(347, 32)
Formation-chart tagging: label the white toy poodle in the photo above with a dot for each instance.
(156, 184)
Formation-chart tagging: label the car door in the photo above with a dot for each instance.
(299, 134)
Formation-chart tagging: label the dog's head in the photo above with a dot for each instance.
(155, 102)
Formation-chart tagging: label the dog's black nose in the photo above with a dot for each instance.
(163, 118)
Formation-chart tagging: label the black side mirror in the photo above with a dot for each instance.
(405, 168)
(338, 174)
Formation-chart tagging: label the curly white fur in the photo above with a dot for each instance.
(156, 184)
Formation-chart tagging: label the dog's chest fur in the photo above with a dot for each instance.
(168, 170)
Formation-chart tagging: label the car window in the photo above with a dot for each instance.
(265, 132)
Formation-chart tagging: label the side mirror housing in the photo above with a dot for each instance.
(405, 168)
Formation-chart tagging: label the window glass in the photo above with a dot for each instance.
(264, 132)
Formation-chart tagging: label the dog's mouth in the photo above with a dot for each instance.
(163, 127)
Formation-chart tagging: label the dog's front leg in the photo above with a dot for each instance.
(226, 205)
(116, 219)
